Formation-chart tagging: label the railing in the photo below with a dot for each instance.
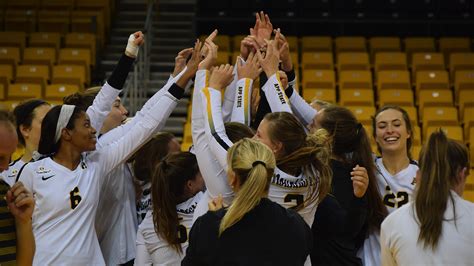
(137, 86)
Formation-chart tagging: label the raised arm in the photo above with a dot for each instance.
(100, 108)
(211, 101)
(178, 72)
(273, 88)
(241, 111)
(215, 176)
(118, 151)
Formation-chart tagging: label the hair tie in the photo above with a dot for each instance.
(258, 162)
(358, 128)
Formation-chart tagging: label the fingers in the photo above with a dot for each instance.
(185, 52)
(259, 55)
(211, 36)
(27, 201)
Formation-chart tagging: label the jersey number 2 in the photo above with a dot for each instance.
(74, 197)
(298, 198)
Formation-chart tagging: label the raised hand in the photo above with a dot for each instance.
(20, 202)
(360, 181)
(192, 65)
(221, 76)
(247, 45)
(210, 58)
(209, 39)
(180, 60)
(134, 42)
(263, 28)
(270, 62)
(284, 50)
(251, 69)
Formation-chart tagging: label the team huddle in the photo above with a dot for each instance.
(270, 179)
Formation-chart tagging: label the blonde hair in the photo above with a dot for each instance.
(253, 164)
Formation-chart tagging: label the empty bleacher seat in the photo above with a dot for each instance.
(461, 61)
(427, 62)
(466, 99)
(453, 132)
(45, 39)
(350, 44)
(317, 60)
(57, 4)
(363, 113)
(412, 113)
(39, 56)
(464, 80)
(357, 97)
(32, 74)
(319, 79)
(89, 22)
(353, 61)
(396, 97)
(419, 44)
(393, 79)
(69, 74)
(54, 21)
(10, 55)
(468, 120)
(449, 45)
(316, 44)
(24, 91)
(76, 56)
(23, 20)
(327, 95)
(355, 80)
(8, 105)
(384, 44)
(432, 80)
(6, 74)
(2, 92)
(59, 91)
(435, 98)
(390, 61)
(222, 58)
(439, 116)
(13, 39)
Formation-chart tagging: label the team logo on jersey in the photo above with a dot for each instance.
(188, 210)
(41, 170)
(44, 178)
(13, 173)
(283, 182)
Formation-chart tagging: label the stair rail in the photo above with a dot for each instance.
(137, 86)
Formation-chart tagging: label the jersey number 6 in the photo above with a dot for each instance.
(74, 197)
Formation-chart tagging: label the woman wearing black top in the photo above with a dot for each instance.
(253, 230)
(354, 207)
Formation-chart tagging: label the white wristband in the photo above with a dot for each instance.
(132, 49)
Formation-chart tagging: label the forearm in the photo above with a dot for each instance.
(25, 246)
(300, 107)
(242, 102)
(276, 97)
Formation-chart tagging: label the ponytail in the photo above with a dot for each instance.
(168, 190)
(253, 164)
(440, 162)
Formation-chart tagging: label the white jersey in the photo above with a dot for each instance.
(116, 221)
(144, 202)
(152, 249)
(10, 176)
(288, 191)
(396, 191)
(400, 231)
(67, 200)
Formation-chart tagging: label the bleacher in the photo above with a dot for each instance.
(49, 48)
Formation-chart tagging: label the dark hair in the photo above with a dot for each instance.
(24, 114)
(441, 159)
(47, 145)
(82, 99)
(7, 119)
(237, 131)
(302, 152)
(167, 190)
(150, 154)
(350, 143)
(408, 124)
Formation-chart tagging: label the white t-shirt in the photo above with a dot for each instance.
(395, 191)
(152, 249)
(66, 200)
(144, 203)
(400, 231)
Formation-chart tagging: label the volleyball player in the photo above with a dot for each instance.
(395, 169)
(63, 222)
(436, 227)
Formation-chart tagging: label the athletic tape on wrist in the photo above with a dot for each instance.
(132, 49)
